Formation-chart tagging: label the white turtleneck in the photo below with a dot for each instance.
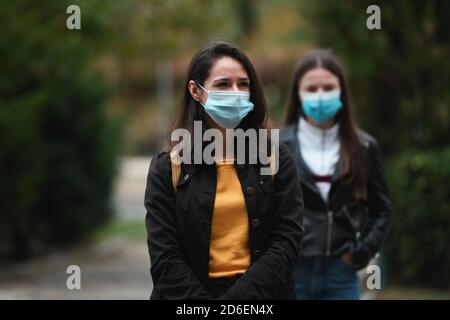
(320, 151)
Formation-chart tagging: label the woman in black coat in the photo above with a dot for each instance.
(222, 230)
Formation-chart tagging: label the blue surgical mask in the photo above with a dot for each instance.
(321, 106)
(227, 108)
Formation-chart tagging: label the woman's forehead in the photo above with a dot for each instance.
(226, 68)
(319, 75)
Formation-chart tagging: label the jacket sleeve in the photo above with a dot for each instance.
(380, 211)
(172, 277)
(276, 265)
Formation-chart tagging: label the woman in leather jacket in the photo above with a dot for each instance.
(347, 207)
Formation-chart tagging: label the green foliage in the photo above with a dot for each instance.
(58, 147)
(418, 248)
(399, 75)
(399, 79)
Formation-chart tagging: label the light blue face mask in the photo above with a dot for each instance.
(227, 108)
(321, 106)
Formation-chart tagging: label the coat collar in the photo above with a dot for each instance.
(289, 137)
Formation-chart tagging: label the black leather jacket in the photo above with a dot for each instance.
(179, 227)
(344, 224)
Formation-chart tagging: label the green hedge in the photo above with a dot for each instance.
(418, 248)
(58, 146)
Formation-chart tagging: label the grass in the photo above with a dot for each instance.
(133, 230)
(414, 293)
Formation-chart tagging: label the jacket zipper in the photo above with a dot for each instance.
(329, 218)
(329, 228)
(329, 212)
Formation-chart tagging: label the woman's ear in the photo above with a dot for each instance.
(193, 89)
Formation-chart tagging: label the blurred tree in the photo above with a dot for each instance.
(247, 16)
(58, 148)
(417, 249)
(399, 75)
(149, 38)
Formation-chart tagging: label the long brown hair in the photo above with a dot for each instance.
(199, 70)
(352, 156)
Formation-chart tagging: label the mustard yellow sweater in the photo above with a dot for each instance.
(229, 251)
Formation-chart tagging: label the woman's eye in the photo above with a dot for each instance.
(311, 89)
(328, 88)
(244, 84)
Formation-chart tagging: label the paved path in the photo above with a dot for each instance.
(116, 268)
(130, 188)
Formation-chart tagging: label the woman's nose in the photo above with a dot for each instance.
(235, 87)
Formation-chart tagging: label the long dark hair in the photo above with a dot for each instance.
(199, 70)
(352, 156)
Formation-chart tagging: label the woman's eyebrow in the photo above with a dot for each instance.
(321, 83)
(228, 79)
(221, 79)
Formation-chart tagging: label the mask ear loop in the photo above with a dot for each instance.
(201, 113)
(201, 87)
(200, 107)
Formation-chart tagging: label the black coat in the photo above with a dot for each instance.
(179, 227)
(344, 224)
